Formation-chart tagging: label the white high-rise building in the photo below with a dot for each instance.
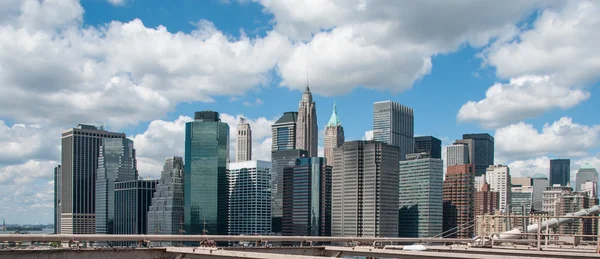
(244, 141)
(307, 130)
(457, 154)
(498, 177)
(393, 124)
(249, 198)
(479, 182)
(586, 173)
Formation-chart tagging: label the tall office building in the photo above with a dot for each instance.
(307, 134)
(307, 198)
(551, 196)
(165, 215)
(334, 136)
(393, 124)
(457, 154)
(481, 150)
(486, 201)
(365, 190)
(586, 173)
(79, 163)
(521, 204)
(57, 191)
(116, 163)
(498, 176)
(420, 205)
(249, 198)
(284, 132)
(244, 141)
(205, 182)
(458, 194)
(430, 145)
(537, 184)
(132, 201)
(560, 172)
(280, 160)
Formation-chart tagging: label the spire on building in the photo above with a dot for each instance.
(334, 120)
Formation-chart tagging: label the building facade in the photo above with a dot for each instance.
(458, 196)
(551, 195)
(116, 163)
(521, 204)
(307, 198)
(393, 124)
(486, 201)
(205, 182)
(334, 136)
(574, 202)
(482, 151)
(307, 135)
(79, 163)
(420, 204)
(365, 190)
(57, 192)
(280, 160)
(586, 173)
(284, 132)
(430, 145)
(498, 176)
(132, 201)
(560, 172)
(165, 215)
(457, 154)
(244, 141)
(250, 198)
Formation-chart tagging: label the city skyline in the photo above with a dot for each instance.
(446, 86)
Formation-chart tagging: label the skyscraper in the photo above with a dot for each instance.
(420, 203)
(244, 141)
(430, 145)
(284, 132)
(458, 197)
(205, 180)
(560, 172)
(365, 190)
(482, 151)
(165, 215)
(249, 198)
(498, 176)
(116, 163)
(334, 136)
(393, 124)
(132, 201)
(79, 163)
(280, 160)
(307, 198)
(586, 173)
(307, 130)
(57, 192)
(457, 154)
(486, 201)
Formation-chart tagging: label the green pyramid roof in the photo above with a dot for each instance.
(334, 120)
(587, 166)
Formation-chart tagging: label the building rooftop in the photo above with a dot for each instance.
(539, 176)
(288, 117)
(587, 166)
(334, 120)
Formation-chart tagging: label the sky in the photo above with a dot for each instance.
(524, 71)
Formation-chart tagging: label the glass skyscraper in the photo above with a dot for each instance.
(307, 198)
(421, 206)
(284, 132)
(165, 215)
(79, 163)
(57, 191)
(116, 163)
(560, 172)
(430, 145)
(250, 198)
(205, 175)
(132, 200)
(393, 124)
(280, 160)
(481, 151)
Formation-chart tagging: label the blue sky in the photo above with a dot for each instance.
(523, 71)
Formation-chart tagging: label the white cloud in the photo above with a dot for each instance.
(561, 138)
(523, 97)
(21, 142)
(256, 102)
(385, 45)
(562, 42)
(123, 73)
(261, 135)
(116, 2)
(27, 172)
(530, 167)
(368, 135)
